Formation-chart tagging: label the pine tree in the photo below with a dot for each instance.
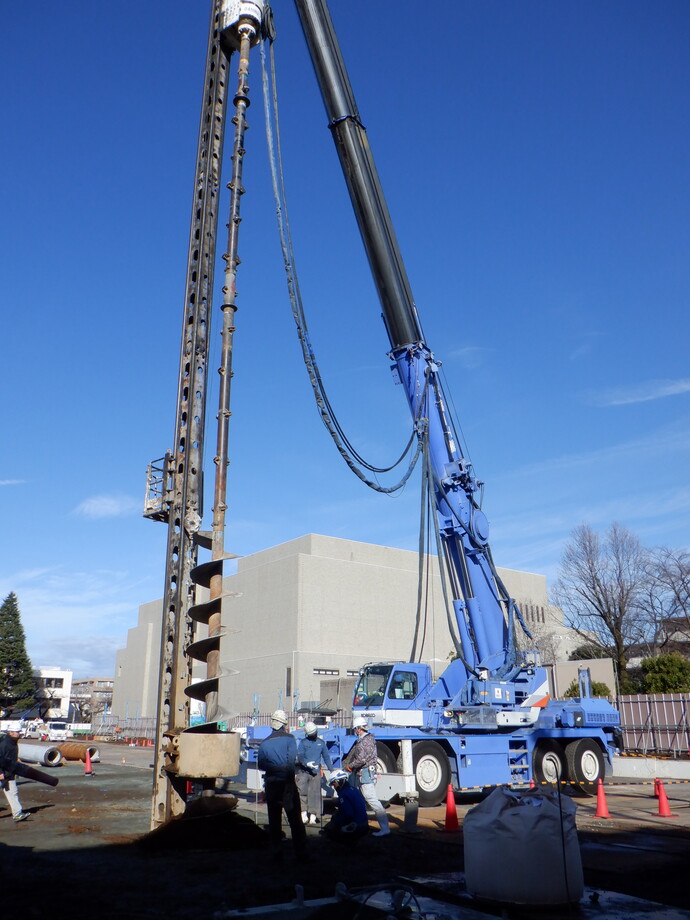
(17, 682)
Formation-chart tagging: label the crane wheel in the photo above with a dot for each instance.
(432, 772)
(585, 765)
(548, 762)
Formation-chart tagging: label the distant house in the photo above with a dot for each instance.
(91, 698)
(53, 694)
(673, 635)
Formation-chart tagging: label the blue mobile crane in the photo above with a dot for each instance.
(488, 718)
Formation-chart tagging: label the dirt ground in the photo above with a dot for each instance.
(86, 850)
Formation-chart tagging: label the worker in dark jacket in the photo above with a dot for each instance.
(9, 755)
(312, 751)
(277, 757)
(349, 823)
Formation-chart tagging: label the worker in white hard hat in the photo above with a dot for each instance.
(361, 761)
(9, 757)
(276, 757)
(312, 752)
(349, 822)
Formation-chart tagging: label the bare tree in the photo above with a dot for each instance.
(601, 589)
(668, 596)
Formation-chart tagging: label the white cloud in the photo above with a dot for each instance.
(75, 619)
(587, 343)
(470, 357)
(643, 392)
(85, 656)
(107, 506)
(663, 442)
(12, 482)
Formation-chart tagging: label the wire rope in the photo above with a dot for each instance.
(328, 416)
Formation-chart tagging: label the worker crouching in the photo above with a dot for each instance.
(349, 823)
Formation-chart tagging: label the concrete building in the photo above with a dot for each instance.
(54, 691)
(316, 609)
(135, 687)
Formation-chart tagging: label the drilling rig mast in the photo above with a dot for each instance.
(175, 483)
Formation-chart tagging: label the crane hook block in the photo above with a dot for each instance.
(235, 12)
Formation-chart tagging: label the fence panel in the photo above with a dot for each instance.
(656, 723)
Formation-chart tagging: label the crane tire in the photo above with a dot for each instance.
(548, 763)
(432, 772)
(385, 759)
(585, 765)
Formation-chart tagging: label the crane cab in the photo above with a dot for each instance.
(391, 692)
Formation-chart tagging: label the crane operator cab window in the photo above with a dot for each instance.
(372, 685)
(403, 686)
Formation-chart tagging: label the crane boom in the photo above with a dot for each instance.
(484, 612)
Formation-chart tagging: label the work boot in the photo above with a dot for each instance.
(305, 817)
(384, 829)
(313, 819)
(22, 816)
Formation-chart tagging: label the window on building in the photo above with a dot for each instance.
(288, 681)
(351, 673)
(329, 672)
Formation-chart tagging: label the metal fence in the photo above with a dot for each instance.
(651, 724)
(656, 723)
(125, 729)
(295, 720)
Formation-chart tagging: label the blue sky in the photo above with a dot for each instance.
(534, 157)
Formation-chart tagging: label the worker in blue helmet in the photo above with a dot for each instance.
(349, 822)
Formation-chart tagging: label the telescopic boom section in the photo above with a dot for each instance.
(483, 610)
(378, 235)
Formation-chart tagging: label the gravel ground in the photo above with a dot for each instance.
(86, 850)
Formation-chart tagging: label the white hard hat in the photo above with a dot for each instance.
(337, 776)
(278, 719)
(310, 728)
(360, 722)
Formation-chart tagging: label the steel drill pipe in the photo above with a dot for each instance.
(74, 750)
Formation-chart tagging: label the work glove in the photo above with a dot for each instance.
(313, 768)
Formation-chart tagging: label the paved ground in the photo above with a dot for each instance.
(86, 849)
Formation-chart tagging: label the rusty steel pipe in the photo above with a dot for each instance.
(76, 750)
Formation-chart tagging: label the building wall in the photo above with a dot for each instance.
(313, 609)
(55, 686)
(322, 607)
(135, 687)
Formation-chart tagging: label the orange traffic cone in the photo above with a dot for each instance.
(602, 808)
(664, 810)
(656, 788)
(532, 784)
(451, 811)
(87, 767)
